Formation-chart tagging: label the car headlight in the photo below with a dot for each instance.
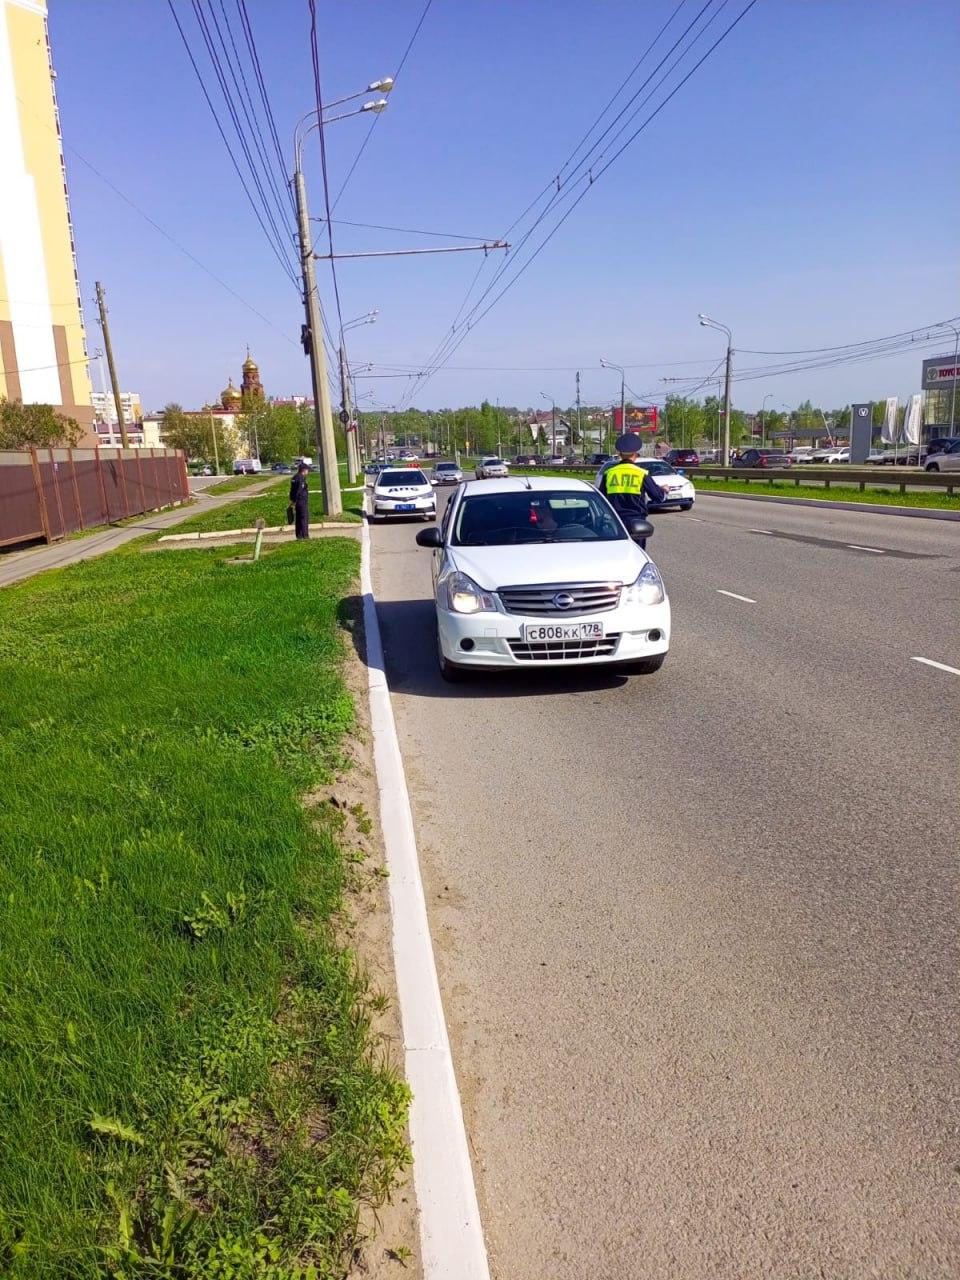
(648, 588)
(458, 593)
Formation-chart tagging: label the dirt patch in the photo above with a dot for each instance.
(389, 1248)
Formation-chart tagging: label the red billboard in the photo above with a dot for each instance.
(642, 418)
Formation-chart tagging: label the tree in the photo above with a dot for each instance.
(276, 430)
(38, 426)
(189, 432)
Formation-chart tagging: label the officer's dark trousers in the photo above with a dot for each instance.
(302, 511)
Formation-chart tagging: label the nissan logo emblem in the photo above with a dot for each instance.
(564, 600)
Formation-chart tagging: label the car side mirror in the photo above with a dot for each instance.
(431, 537)
(637, 528)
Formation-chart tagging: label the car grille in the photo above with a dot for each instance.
(588, 597)
(561, 650)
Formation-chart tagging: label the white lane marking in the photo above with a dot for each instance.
(768, 532)
(696, 519)
(733, 596)
(451, 1236)
(941, 666)
(853, 546)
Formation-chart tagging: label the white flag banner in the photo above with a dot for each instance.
(911, 423)
(888, 432)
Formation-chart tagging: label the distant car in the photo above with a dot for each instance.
(523, 460)
(762, 458)
(409, 456)
(374, 468)
(682, 457)
(403, 492)
(598, 459)
(247, 466)
(282, 468)
(446, 473)
(802, 453)
(207, 471)
(947, 458)
(709, 455)
(557, 460)
(492, 468)
(831, 453)
(679, 490)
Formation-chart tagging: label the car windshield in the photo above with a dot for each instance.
(655, 466)
(535, 515)
(446, 466)
(392, 479)
(491, 462)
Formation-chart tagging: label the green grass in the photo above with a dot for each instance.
(705, 483)
(237, 482)
(835, 493)
(190, 1088)
(270, 506)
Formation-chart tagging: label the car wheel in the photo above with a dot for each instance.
(646, 666)
(932, 466)
(449, 671)
(685, 506)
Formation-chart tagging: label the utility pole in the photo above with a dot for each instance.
(213, 432)
(350, 434)
(114, 381)
(312, 336)
(726, 407)
(579, 428)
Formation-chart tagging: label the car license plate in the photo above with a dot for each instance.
(538, 632)
(406, 506)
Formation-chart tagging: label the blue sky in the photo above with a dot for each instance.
(802, 188)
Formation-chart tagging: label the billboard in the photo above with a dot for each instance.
(861, 430)
(939, 372)
(641, 418)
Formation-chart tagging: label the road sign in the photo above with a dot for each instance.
(344, 417)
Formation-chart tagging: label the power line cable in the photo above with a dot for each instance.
(373, 122)
(264, 96)
(203, 88)
(318, 94)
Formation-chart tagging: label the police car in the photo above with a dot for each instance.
(678, 487)
(403, 492)
(542, 572)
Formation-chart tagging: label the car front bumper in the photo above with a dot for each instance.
(404, 507)
(678, 497)
(497, 638)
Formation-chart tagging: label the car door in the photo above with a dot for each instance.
(950, 461)
(436, 559)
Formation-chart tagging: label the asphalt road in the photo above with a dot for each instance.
(696, 931)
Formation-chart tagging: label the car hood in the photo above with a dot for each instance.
(494, 567)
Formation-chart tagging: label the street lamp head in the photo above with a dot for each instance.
(381, 86)
(379, 105)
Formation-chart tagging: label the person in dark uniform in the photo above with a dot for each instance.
(626, 484)
(300, 501)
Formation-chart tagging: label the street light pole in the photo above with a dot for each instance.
(768, 396)
(715, 324)
(608, 364)
(553, 423)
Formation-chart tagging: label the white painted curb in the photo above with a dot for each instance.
(451, 1236)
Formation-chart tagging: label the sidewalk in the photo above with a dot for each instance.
(17, 565)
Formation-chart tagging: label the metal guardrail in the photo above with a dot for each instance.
(837, 474)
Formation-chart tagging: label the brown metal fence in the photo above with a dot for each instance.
(47, 493)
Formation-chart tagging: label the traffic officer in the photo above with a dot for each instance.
(300, 500)
(626, 484)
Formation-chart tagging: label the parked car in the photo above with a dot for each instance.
(682, 457)
(557, 460)
(585, 593)
(247, 466)
(403, 492)
(492, 468)
(282, 468)
(802, 453)
(831, 453)
(947, 457)
(709, 455)
(762, 458)
(678, 488)
(446, 473)
(598, 459)
(523, 460)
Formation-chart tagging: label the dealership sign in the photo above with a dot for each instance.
(940, 373)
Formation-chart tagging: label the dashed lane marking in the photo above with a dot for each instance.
(941, 666)
(733, 596)
(877, 551)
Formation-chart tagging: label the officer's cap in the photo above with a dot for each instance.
(629, 443)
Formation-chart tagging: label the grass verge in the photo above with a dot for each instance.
(190, 1087)
(836, 493)
(271, 506)
(236, 483)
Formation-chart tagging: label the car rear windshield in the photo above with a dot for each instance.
(655, 466)
(392, 479)
(505, 519)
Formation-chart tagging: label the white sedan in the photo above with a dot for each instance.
(678, 488)
(542, 572)
(492, 468)
(403, 491)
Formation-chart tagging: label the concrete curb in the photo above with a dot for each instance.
(451, 1236)
(926, 513)
(270, 531)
